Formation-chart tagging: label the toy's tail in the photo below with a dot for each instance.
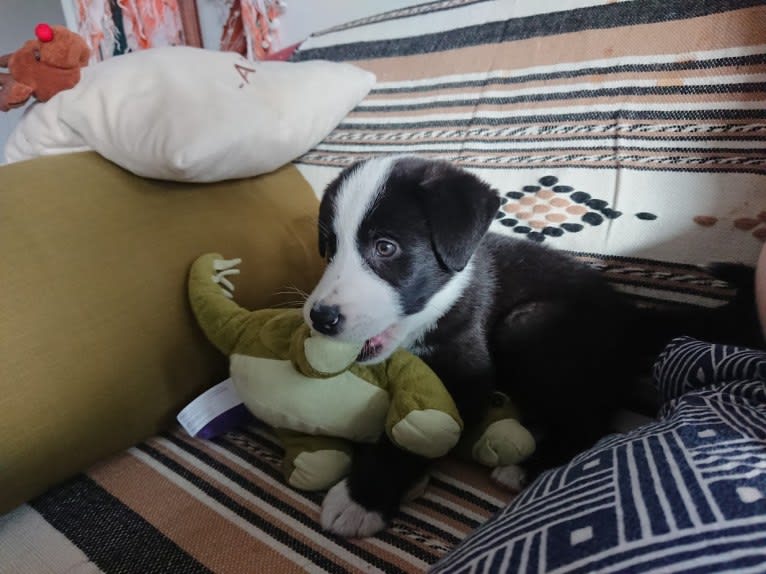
(222, 320)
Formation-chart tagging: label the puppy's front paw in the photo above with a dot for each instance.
(343, 516)
(512, 477)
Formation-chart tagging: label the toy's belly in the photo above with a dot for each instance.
(343, 406)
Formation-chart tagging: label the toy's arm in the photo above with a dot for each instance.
(422, 417)
(12, 93)
(222, 320)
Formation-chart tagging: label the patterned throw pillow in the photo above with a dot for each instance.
(687, 493)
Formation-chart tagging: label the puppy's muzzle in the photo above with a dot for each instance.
(326, 319)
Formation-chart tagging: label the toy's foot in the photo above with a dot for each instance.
(319, 470)
(503, 443)
(343, 516)
(429, 433)
(512, 477)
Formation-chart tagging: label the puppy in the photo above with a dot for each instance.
(411, 264)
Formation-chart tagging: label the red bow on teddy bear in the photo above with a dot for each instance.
(42, 67)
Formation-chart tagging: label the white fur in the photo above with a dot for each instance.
(370, 304)
(512, 477)
(343, 516)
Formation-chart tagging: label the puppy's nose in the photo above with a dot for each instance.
(326, 319)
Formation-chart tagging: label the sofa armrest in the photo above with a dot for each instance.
(99, 346)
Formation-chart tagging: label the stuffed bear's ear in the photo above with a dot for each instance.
(460, 208)
(74, 52)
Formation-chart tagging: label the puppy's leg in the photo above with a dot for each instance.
(564, 364)
(513, 477)
(363, 503)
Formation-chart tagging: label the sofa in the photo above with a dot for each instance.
(630, 134)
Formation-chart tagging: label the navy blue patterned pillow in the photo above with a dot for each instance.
(686, 493)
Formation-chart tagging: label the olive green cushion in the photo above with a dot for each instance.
(98, 346)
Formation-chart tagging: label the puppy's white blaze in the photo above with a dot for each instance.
(368, 303)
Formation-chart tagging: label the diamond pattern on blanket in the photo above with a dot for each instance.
(686, 493)
(550, 209)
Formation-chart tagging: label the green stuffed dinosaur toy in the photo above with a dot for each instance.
(310, 389)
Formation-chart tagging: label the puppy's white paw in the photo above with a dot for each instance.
(512, 477)
(343, 516)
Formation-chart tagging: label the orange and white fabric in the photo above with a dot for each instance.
(145, 24)
(251, 26)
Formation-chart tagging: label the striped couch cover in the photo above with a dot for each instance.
(178, 505)
(630, 133)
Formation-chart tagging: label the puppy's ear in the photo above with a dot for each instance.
(460, 208)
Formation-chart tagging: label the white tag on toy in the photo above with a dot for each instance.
(217, 410)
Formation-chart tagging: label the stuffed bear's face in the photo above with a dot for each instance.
(50, 67)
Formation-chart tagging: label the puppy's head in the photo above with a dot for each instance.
(398, 233)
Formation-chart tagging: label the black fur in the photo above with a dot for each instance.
(533, 322)
(434, 212)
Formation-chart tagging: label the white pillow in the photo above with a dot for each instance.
(39, 132)
(188, 114)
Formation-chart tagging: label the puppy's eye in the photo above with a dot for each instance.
(385, 248)
(37, 55)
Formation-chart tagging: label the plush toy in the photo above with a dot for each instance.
(499, 439)
(320, 401)
(42, 67)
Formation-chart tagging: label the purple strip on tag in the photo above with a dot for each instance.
(226, 421)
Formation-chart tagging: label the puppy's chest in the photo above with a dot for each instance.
(449, 337)
(417, 343)
(434, 343)
(421, 349)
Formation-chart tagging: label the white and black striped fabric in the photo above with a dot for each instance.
(684, 494)
(180, 505)
(633, 132)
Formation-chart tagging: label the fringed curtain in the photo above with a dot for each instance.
(251, 26)
(113, 27)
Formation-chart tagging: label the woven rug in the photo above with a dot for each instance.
(180, 505)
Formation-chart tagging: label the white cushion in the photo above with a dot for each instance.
(187, 114)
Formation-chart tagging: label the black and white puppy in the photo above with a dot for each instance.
(410, 263)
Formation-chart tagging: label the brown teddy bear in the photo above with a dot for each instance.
(42, 67)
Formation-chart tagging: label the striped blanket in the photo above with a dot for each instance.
(178, 505)
(633, 132)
